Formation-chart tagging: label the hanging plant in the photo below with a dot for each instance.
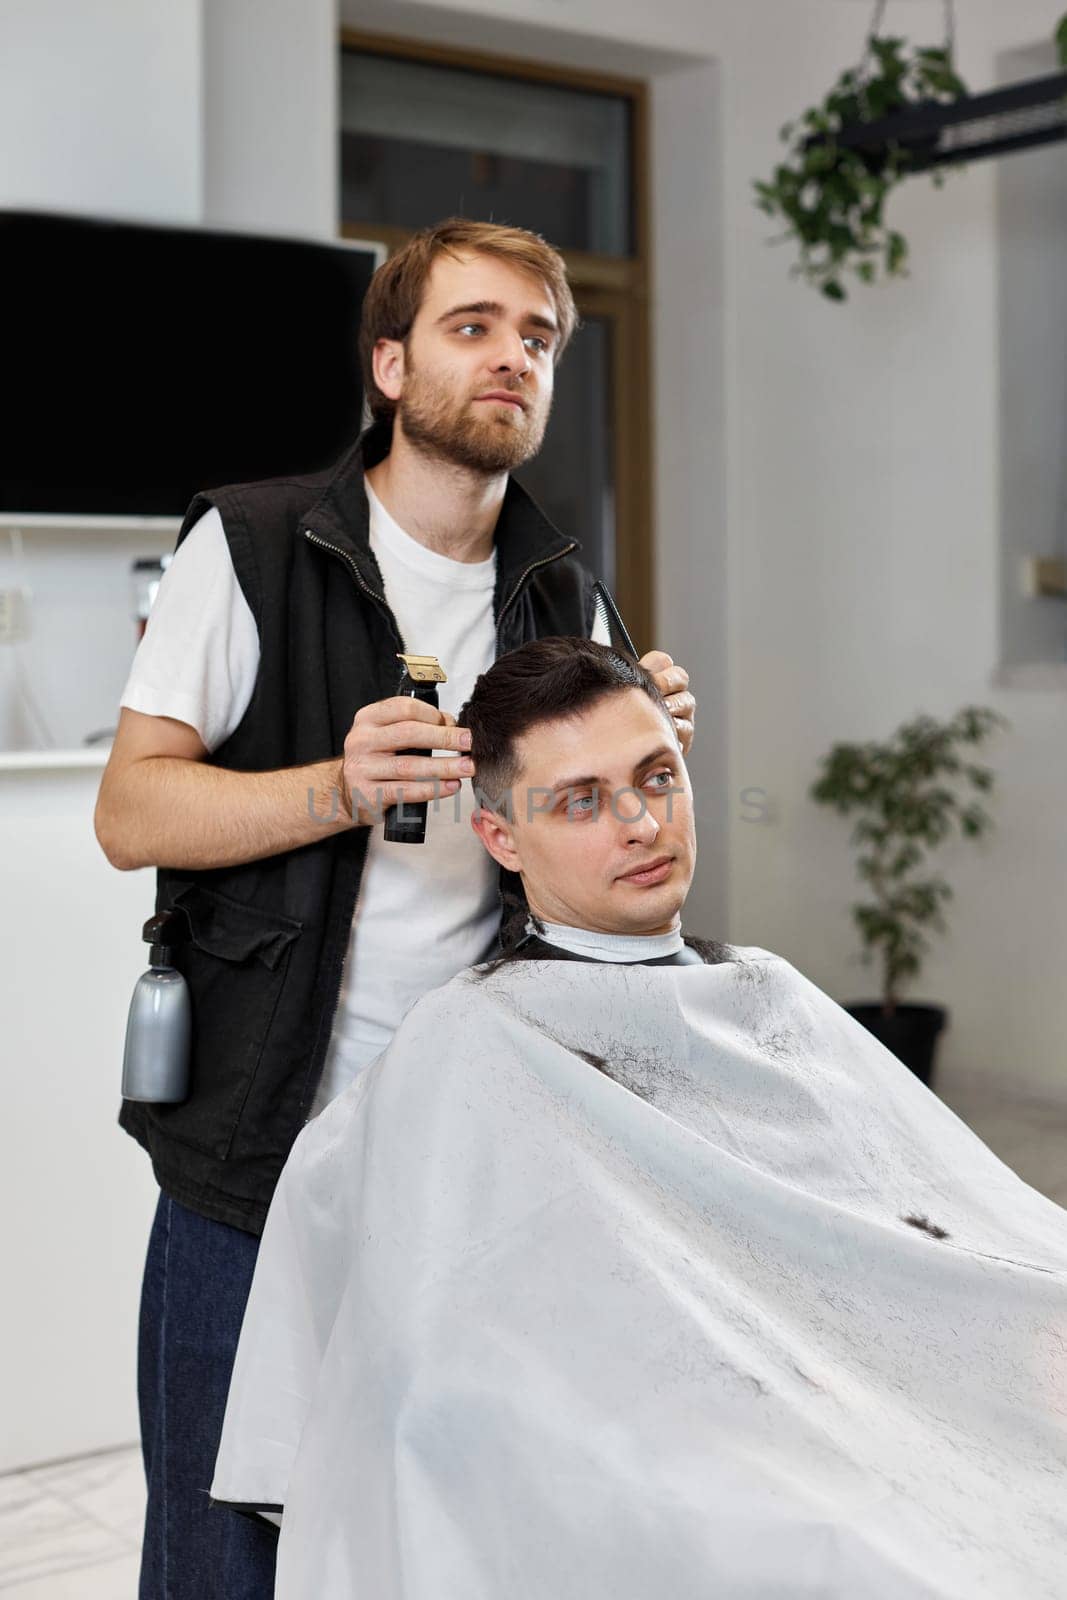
(832, 198)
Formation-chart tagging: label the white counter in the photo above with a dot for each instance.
(76, 1193)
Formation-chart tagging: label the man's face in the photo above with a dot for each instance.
(593, 810)
(473, 381)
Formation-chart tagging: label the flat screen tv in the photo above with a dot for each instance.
(142, 363)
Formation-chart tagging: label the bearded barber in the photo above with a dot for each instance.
(262, 705)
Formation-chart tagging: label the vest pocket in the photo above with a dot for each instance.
(235, 963)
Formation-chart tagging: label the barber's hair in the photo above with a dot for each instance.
(540, 682)
(396, 289)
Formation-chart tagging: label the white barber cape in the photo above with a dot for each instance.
(599, 1283)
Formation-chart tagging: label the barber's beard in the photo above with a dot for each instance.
(478, 436)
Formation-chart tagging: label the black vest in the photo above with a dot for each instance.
(267, 940)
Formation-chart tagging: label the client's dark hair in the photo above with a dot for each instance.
(541, 682)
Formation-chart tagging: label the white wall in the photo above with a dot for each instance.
(864, 533)
(100, 113)
(690, 505)
(222, 111)
(1032, 238)
(100, 106)
(270, 115)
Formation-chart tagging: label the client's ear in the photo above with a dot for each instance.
(495, 833)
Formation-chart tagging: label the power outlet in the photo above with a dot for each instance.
(14, 615)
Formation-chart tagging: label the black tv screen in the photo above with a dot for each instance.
(143, 363)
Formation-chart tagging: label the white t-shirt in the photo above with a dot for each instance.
(423, 913)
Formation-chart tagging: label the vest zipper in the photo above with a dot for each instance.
(372, 594)
(383, 604)
(544, 562)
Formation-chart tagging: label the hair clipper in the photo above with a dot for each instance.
(406, 821)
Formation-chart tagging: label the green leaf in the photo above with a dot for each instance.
(907, 793)
(1061, 40)
(941, 81)
(879, 100)
(887, 52)
(820, 158)
(845, 107)
(831, 199)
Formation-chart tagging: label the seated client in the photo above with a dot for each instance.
(635, 1266)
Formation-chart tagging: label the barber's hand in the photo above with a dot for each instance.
(673, 684)
(373, 776)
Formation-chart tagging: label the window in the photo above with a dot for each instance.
(414, 134)
(428, 133)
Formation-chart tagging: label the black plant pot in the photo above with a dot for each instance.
(909, 1031)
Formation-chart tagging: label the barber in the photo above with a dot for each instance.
(239, 773)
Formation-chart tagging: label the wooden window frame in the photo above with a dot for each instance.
(610, 286)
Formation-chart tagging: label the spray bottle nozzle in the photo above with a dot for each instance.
(163, 932)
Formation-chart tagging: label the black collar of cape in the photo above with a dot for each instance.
(531, 948)
(523, 536)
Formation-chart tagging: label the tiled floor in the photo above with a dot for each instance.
(1030, 1136)
(71, 1531)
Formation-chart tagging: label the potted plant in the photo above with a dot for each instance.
(833, 198)
(908, 795)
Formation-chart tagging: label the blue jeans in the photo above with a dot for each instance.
(197, 1277)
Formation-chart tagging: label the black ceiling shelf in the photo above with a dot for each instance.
(971, 129)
